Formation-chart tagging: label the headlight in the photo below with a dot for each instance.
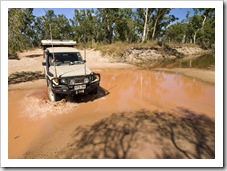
(63, 81)
(86, 80)
(91, 76)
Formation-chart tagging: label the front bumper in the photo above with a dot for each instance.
(80, 88)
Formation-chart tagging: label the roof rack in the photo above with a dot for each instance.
(57, 43)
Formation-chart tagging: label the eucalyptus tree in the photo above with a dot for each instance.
(195, 25)
(206, 34)
(184, 23)
(175, 32)
(40, 30)
(84, 25)
(20, 29)
(144, 22)
(107, 18)
(161, 19)
(202, 25)
(124, 26)
(152, 22)
(61, 28)
(50, 24)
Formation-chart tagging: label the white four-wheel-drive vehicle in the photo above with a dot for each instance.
(66, 71)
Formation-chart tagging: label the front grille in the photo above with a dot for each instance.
(77, 80)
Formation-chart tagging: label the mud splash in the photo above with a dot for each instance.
(38, 106)
(40, 127)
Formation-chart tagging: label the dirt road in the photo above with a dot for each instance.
(31, 61)
(135, 114)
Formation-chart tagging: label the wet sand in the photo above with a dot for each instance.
(41, 129)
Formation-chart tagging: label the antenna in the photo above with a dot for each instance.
(55, 72)
(85, 46)
(85, 58)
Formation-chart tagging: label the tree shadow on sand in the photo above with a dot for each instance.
(144, 134)
(34, 55)
(23, 76)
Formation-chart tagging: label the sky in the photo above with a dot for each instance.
(69, 12)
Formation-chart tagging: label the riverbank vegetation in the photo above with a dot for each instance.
(119, 32)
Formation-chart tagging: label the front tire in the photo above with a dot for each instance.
(52, 96)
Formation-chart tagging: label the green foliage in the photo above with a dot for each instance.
(110, 25)
(84, 26)
(158, 20)
(175, 32)
(206, 35)
(125, 26)
(161, 20)
(58, 26)
(20, 29)
(198, 29)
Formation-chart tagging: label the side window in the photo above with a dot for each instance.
(57, 57)
(75, 57)
(79, 56)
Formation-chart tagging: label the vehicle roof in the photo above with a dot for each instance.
(62, 49)
(58, 42)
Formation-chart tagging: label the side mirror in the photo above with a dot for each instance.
(44, 63)
(47, 52)
(50, 74)
(85, 61)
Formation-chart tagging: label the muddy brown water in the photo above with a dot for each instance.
(41, 129)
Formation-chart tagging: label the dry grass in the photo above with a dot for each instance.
(117, 49)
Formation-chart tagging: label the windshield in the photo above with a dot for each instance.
(69, 58)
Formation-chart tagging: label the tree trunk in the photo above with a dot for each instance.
(194, 36)
(203, 26)
(159, 15)
(109, 34)
(154, 30)
(147, 32)
(204, 21)
(183, 39)
(145, 26)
